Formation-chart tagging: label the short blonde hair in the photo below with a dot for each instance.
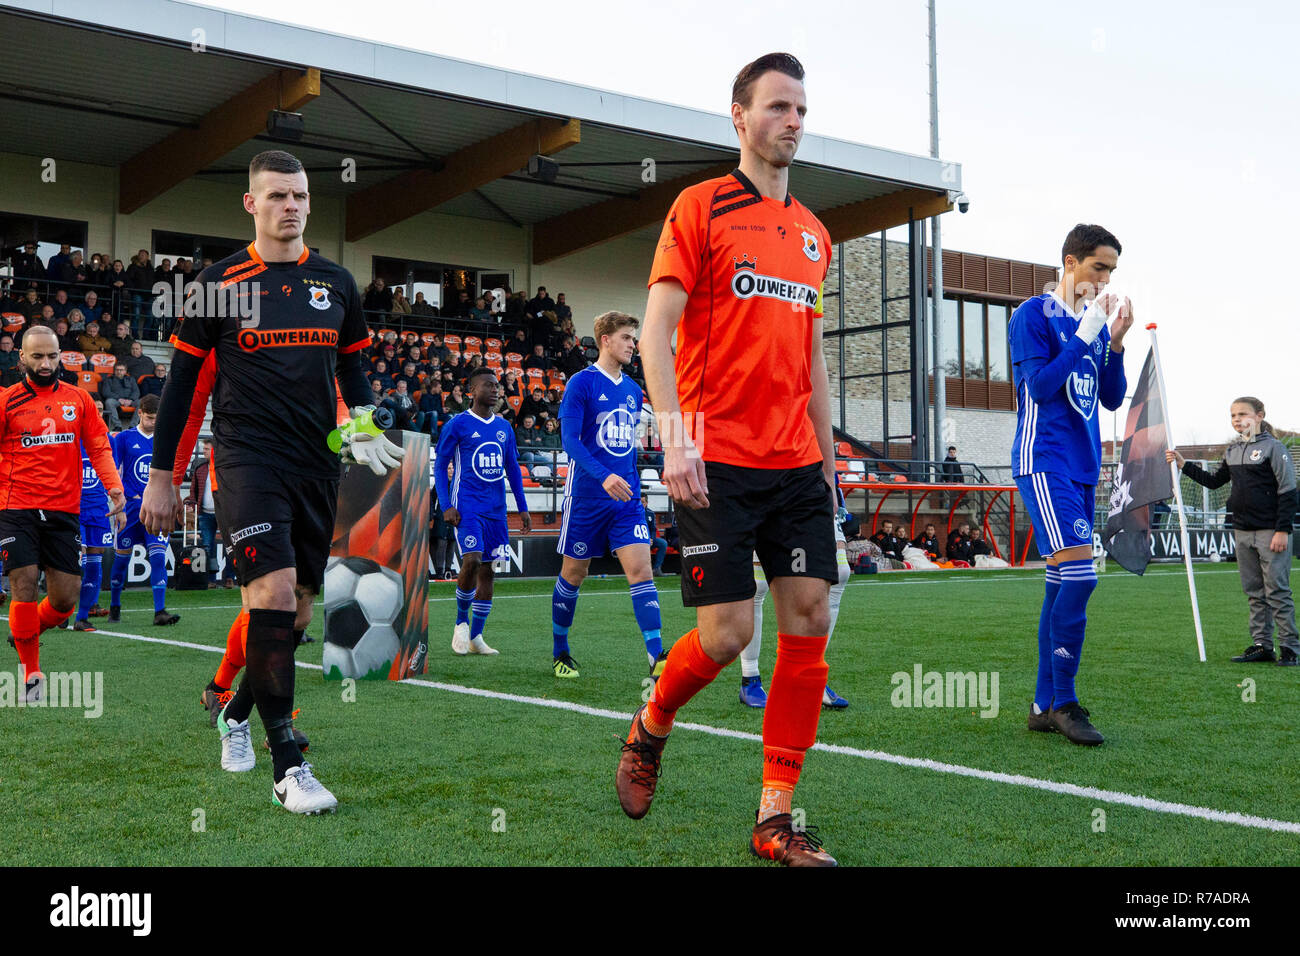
(607, 323)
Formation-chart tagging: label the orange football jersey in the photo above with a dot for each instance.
(754, 270)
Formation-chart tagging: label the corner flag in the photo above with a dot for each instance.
(1142, 477)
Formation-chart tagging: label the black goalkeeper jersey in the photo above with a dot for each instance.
(274, 401)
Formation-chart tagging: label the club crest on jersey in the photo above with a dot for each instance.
(810, 247)
(320, 298)
(69, 413)
(1254, 455)
(631, 404)
(501, 436)
(1081, 528)
(1081, 389)
(1096, 348)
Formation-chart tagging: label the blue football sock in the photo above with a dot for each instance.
(1069, 620)
(158, 576)
(645, 605)
(1043, 689)
(463, 601)
(92, 576)
(564, 604)
(481, 611)
(117, 578)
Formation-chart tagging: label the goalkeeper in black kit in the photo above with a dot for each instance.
(284, 323)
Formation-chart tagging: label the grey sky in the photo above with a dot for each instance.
(1171, 124)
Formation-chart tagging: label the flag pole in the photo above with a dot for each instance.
(1178, 495)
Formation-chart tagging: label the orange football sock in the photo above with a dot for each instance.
(47, 617)
(794, 705)
(233, 660)
(687, 671)
(24, 625)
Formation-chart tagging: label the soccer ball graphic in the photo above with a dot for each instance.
(362, 600)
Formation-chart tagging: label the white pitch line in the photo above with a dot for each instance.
(919, 763)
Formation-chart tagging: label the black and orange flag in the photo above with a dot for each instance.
(1142, 477)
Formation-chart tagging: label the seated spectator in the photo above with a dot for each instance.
(11, 370)
(388, 354)
(409, 377)
(518, 345)
(376, 392)
(456, 402)
(401, 304)
(115, 391)
(573, 359)
(380, 374)
(552, 403)
(67, 338)
(46, 317)
(76, 324)
(978, 545)
(473, 365)
(30, 306)
(122, 342)
(511, 387)
(528, 437)
(91, 308)
(421, 307)
(402, 399)
(538, 360)
(959, 544)
(551, 435)
(61, 306)
(480, 313)
(137, 363)
(928, 541)
(437, 352)
(377, 298)
(153, 384)
(429, 402)
(90, 342)
(534, 404)
(887, 542)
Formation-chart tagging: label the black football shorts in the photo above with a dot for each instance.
(49, 539)
(783, 515)
(272, 520)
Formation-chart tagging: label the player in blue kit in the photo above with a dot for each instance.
(480, 447)
(602, 498)
(133, 455)
(1066, 363)
(96, 539)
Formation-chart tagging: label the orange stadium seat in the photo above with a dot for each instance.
(513, 362)
(13, 321)
(89, 381)
(843, 449)
(536, 375)
(75, 361)
(493, 344)
(427, 338)
(452, 342)
(473, 344)
(493, 360)
(515, 401)
(102, 362)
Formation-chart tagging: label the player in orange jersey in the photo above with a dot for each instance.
(43, 424)
(744, 415)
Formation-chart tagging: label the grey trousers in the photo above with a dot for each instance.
(1266, 579)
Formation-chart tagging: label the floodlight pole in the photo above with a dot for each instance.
(936, 286)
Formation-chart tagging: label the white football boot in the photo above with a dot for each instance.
(479, 646)
(460, 639)
(237, 753)
(301, 792)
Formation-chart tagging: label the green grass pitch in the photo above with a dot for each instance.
(426, 775)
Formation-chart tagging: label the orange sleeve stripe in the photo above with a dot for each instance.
(189, 349)
(355, 346)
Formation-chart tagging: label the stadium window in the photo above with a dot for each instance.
(949, 346)
(18, 228)
(999, 356)
(974, 364)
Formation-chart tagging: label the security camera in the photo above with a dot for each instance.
(963, 203)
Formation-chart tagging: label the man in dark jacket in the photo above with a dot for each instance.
(887, 542)
(928, 541)
(153, 385)
(573, 360)
(959, 544)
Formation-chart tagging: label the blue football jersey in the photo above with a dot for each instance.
(94, 500)
(483, 454)
(602, 413)
(133, 455)
(1060, 433)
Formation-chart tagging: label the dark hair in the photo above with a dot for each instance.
(1084, 239)
(1264, 427)
(479, 373)
(149, 405)
(742, 88)
(273, 161)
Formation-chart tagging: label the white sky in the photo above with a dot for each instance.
(1173, 125)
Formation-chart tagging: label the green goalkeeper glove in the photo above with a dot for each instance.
(361, 441)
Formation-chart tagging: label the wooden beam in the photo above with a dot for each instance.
(589, 226)
(149, 174)
(388, 203)
(883, 212)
